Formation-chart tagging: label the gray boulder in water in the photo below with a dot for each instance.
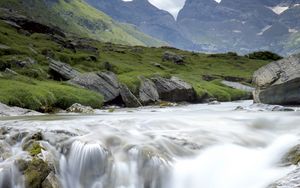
(174, 89)
(78, 108)
(278, 82)
(128, 98)
(105, 83)
(15, 111)
(148, 92)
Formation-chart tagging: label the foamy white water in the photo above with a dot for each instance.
(194, 146)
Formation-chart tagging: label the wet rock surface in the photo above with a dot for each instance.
(78, 108)
(15, 111)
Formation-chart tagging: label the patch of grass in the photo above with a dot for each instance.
(39, 95)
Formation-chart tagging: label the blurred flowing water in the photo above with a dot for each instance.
(194, 146)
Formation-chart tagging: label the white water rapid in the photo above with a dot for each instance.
(193, 146)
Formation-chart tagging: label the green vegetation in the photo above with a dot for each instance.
(45, 95)
(264, 55)
(31, 88)
(76, 16)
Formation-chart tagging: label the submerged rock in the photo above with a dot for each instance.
(128, 98)
(174, 89)
(35, 172)
(278, 82)
(78, 108)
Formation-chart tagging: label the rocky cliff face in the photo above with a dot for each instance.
(205, 25)
(149, 19)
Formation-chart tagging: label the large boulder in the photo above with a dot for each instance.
(105, 83)
(174, 89)
(278, 82)
(148, 92)
(61, 71)
(128, 98)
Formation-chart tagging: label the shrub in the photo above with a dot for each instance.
(264, 55)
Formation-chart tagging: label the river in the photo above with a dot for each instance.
(192, 146)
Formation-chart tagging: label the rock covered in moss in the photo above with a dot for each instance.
(78, 108)
(35, 172)
(292, 157)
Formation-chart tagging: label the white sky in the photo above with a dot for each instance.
(172, 6)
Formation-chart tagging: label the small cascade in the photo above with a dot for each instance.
(10, 177)
(86, 166)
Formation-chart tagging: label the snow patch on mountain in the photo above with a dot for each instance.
(279, 9)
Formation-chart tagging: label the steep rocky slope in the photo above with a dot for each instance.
(205, 25)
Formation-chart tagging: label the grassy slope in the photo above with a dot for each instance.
(78, 17)
(128, 62)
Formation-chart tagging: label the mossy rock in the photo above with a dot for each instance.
(34, 171)
(292, 157)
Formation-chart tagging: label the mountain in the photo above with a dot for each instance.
(206, 25)
(148, 18)
(77, 17)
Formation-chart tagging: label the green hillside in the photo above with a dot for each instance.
(32, 87)
(76, 16)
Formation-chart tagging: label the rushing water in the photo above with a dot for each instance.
(194, 146)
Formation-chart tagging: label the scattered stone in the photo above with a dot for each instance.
(148, 92)
(266, 107)
(163, 104)
(278, 82)
(237, 85)
(171, 56)
(174, 89)
(11, 72)
(15, 111)
(105, 83)
(214, 103)
(78, 108)
(158, 65)
(61, 71)
(25, 62)
(128, 98)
